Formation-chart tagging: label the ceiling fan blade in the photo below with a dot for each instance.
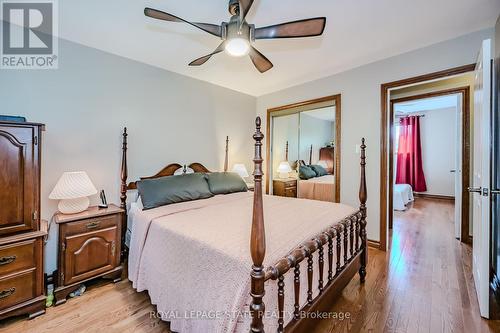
(204, 59)
(259, 60)
(302, 28)
(213, 29)
(245, 6)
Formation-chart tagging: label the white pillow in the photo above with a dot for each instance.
(139, 203)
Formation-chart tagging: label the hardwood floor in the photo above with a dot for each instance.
(423, 284)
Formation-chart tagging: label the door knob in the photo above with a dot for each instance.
(474, 189)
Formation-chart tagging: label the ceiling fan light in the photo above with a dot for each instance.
(237, 47)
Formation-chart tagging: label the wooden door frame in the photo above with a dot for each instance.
(338, 118)
(385, 189)
(466, 119)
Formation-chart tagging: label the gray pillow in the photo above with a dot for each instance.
(173, 189)
(306, 172)
(225, 183)
(320, 171)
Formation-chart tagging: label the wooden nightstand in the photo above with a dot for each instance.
(285, 187)
(89, 247)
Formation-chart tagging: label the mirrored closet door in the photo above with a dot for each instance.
(303, 151)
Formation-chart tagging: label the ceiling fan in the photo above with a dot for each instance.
(237, 35)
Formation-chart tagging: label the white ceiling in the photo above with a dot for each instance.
(357, 32)
(427, 104)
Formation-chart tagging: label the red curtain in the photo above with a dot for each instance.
(409, 162)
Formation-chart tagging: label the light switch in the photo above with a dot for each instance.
(358, 149)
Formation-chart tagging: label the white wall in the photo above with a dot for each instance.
(360, 90)
(285, 128)
(439, 146)
(316, 132)
(86, 102)
(438, 130)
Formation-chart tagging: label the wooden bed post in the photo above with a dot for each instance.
(362, 208)
(226, 159)
(286, 151)
(123, 191)
(257, 238)
(310, 155)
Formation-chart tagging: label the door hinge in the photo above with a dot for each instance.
(35, 215)
(35, 140)
(113, 248)
(63, 246)
(62, 277)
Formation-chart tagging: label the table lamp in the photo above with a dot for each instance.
(241, 170)
(73, 190)
(284, 169)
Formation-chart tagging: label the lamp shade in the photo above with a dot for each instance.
(284, 167)
(73, 185)
(241, 170)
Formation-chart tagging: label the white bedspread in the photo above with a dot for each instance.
(195, 256)
(403, 194)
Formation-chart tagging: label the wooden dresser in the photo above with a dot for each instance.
(89, 248)
(21, 230)
(285, 187)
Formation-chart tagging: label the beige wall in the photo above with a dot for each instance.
(360, 90)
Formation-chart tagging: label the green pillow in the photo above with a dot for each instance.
(225, 183)
(306, 172)
(320, 171)
(173, 189)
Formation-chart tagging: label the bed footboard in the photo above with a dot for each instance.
(343, 245)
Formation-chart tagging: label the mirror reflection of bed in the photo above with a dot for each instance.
(303, 152)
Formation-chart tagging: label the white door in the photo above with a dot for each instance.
(458, 169)
(482, 178)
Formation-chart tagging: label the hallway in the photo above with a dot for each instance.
(424, 284)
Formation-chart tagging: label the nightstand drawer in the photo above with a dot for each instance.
(17, 288)
(291, 192)
(17, 257)
(291, 183)
(83, 226)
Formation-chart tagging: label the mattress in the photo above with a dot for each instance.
(195, 256)
(317, 188)
(402, 195)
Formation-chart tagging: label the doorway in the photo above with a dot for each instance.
(300, 135)
(386, 89)
(443, 118)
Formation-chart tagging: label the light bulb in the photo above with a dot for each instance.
(237, 47)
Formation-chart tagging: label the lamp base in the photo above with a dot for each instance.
(284, 175)
(73, 206)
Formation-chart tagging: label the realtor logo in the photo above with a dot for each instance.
(28, 34)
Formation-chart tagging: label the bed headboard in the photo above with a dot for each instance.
(169, 171)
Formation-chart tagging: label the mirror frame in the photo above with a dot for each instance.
(336, 99)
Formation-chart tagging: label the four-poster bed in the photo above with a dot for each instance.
(340, 237)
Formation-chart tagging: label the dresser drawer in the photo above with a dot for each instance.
(17, 257)
(88, 225)
(18, 288)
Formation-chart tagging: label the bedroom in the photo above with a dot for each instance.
(117, 68)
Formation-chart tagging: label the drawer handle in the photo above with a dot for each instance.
(7, 292)
(7, 260)
(93, 225)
